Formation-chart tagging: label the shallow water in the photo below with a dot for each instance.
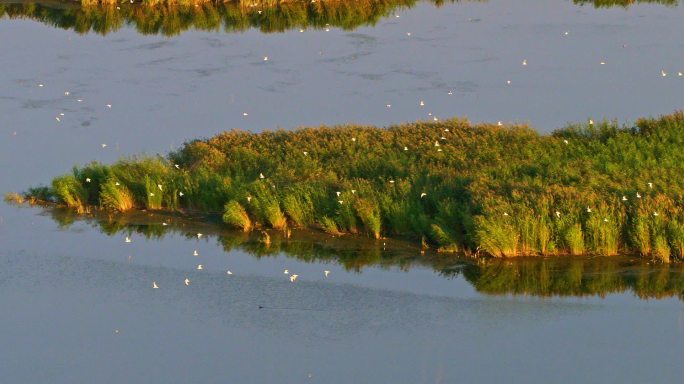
(66, 290)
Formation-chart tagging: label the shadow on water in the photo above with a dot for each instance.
(534, 276)
(230, 16)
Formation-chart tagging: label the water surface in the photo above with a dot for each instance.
(389, 317)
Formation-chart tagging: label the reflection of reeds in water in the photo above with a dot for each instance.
(171, 17)
(559, 276)
(503, 191)
(174, 17)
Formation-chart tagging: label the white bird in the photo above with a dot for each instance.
(66, 93)
(421, 103)
(524, 62)
(446, 129)
(566, 142)
(624, 198)
(650, 185)
(450, 93)
(261, 175)
(116, 183)
(603, 63)
(177, 166)
(180, 194)
(499, 123)
(655, 214)
(249, 198)
(187, 281)
(159, 186)
(436, 143)
(199, 235)
(638, 195)
(293, 278)
(388, 105)
(439, 150)
(391, 181)
(423, 195)
(353, 191)
(152, 194)
(340, 201)
(354, 139)
(58, 119)
(591, 122)
(338, 193)
(265, 57)
(40, 85)
(286, 272)
(557, 214)
(127, 239)
(195, 253)
(680, 74)
(326, 273)
(87, 179)
(80, 100)
(306, 153)
(605, 220)
(508, 82)
(228, 272)
(588, 210)
(200, 267)
(109, 106)
(405, 148)
(663, 73)
(154, 285)
(104, 145)
(505, 213)
(245, 114)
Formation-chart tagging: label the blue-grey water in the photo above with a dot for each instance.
(78, 306)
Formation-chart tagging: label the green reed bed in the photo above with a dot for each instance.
(508, 191)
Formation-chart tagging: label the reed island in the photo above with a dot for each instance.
(487, 189)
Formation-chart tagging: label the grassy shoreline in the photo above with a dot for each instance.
(503, 191)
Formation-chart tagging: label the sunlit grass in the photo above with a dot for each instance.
(504, 191)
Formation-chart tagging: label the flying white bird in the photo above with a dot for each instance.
(200, 267)
(638, 195)
(423, 195)
(159, 186)
(87, 179)
(624, 198)
(228, 272)
(655, 214)
(199, 235)
(338, 193)
(588, 210)
(293, 278)
(180, 194)
(557, 214)
(261, 175)
(127, 239)
(421, 103)
(326, 273)
(650, 185)
(154, 285)
(187, 281)
(286, 272)
(195, 253)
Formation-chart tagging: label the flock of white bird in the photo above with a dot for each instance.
(291, 276)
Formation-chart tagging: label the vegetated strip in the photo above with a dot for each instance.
(479, 189)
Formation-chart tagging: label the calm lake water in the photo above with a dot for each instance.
(78, 304)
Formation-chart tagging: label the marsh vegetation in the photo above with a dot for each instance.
(595, 188)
